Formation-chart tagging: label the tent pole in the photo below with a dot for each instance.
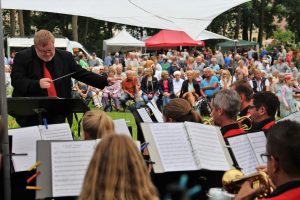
(5, 142)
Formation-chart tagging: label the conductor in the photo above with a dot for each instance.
(36, 69)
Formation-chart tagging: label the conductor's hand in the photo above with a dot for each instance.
(45, 83)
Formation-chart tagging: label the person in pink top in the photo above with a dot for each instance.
(112, 91)
(165, 87)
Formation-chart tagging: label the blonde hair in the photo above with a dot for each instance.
(180, 110)
(164, 73)
(129, 67)
(226, 71)
(97, 124)
(111, 69)
(189, 72)
(117, 172)
(43, 37)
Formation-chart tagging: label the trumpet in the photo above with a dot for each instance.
(242, 121)
(233, 179)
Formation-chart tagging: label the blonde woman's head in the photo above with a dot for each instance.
(117, 171)
(97, 124)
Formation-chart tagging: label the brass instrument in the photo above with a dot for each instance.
(209, 121)
(242, 122)
(233, 179)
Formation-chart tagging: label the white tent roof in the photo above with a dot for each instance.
(122, 39)
(189, 16)
(207, 35)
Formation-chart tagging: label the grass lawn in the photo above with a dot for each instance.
(114, 115)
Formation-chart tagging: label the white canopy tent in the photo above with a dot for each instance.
(189, 16)
(122, 41)
(208, 35)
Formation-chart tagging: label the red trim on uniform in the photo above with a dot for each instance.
(234, 132)
(268, 125)
(51, 90)
(293, 194)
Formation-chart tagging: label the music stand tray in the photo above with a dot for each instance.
(37, 108)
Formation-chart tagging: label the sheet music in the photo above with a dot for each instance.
(293, 117)
(208, 150)
(121, 127)
(144, 115)
(56, 132)
(173, 146)
(258, 142)
(243, 153)
(158, 115)
(70, 161)
(24, 141)
(154, 103)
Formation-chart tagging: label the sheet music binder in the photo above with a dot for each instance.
(45, 179)
(24, 141)
(184, 147)
(70, 159)
(167, 141)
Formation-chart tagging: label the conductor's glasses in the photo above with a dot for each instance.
(46, 51)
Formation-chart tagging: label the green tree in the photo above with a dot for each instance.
(292, 15)
(284, 37)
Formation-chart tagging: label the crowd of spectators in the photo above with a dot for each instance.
(136, 79)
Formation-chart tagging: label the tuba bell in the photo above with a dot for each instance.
(233, 180)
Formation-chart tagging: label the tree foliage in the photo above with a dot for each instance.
(245, 17)
(284, 37)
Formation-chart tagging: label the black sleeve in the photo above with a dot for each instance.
(23, 78)
(155, 85)
(143, 85)
(197, 88)
(160, 87)
(87, 77)
(182, 91)
(171, 87)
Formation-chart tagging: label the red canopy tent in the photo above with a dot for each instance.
(169, 38)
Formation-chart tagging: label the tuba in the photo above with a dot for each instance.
(233, 180)
(242, 121)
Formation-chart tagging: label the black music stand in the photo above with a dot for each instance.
(29, 111)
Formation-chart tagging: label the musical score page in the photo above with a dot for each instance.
(243, 153)
(70, 161)
(293, 117)
(173, 146)
(258, 142)
(208, 150)
(24, 141)
(158, 115)
(144, 115)
(56, 132)
(121, 127)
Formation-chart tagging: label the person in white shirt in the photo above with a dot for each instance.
(258, 83)
(226, 79)
(177, 83)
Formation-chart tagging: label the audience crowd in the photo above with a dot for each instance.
(136, 79)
